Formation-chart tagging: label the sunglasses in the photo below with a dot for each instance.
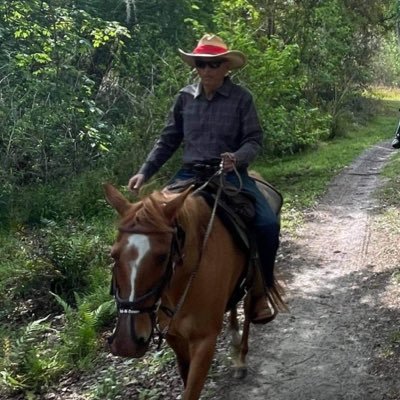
(211, 64)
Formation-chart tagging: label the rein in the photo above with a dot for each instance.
(175, 255)
(179, 305)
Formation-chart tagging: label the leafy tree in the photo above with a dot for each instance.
(53, 125)
(275, 77)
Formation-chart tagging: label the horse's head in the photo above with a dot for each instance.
(143, 256)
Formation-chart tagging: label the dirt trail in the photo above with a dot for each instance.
(343, 307)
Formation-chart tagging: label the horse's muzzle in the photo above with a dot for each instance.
(128, 348)
(131, 338)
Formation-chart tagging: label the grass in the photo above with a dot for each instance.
(303, 178)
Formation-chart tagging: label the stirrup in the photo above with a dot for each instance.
(262, 312)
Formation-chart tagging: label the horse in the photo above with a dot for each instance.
(173, 274)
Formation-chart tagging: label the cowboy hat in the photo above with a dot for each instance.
(212, 46)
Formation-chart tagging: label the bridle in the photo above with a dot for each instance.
(134, 307)
(174, 256)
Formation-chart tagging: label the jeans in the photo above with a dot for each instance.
(265, 224)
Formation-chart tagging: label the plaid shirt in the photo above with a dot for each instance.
(226, 123)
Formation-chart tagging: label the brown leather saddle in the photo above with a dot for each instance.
(236, 211)
(235, 208)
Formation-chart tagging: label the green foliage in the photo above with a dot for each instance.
(35, 358)
(64, 259)
(73, 254)
(82, 197)
(50, 85)
(79, 340)
(30, 360)
(386, 68)
(24, 275)
(319, 166)
(108, 386)
(390, 194)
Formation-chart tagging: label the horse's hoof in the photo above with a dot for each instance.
(240, 372)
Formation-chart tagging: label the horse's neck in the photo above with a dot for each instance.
(195, 219)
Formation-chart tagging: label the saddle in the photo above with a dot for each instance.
(236, 210)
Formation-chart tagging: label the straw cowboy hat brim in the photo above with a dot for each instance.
(212, 46)
(235, 58)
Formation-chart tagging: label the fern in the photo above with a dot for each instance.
(65, 306)
(29, 362)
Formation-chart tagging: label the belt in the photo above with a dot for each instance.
(202, 167)
(207, 167)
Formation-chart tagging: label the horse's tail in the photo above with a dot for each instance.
(275, 294)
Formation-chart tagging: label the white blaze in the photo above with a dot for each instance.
(142, 245)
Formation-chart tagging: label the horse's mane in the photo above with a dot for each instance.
(148, 212)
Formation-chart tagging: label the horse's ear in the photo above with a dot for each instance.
(172, 208)
(116, 199)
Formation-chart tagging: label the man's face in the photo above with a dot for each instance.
(212, 71)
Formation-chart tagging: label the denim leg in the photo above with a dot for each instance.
(265, 225)
(182, 175)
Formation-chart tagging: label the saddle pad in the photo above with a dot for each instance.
(273, 197)
(233, 223)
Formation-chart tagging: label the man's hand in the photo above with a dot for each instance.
(228, 161)
(135, 183)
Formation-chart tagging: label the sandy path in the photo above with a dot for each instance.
(337, 275)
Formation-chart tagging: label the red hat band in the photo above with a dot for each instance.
(209, 49)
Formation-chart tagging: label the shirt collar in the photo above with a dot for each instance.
(196, 89)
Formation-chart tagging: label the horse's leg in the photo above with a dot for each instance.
(244, 347)
(234, 331)
(181, 350)
(201, 355)
(240, 342)
(239, 345)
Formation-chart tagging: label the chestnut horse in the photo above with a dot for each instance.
(169, 274)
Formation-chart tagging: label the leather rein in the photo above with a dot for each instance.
(175, 256)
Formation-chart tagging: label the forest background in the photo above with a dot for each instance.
(85, 87)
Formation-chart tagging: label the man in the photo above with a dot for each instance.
(216, 119)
